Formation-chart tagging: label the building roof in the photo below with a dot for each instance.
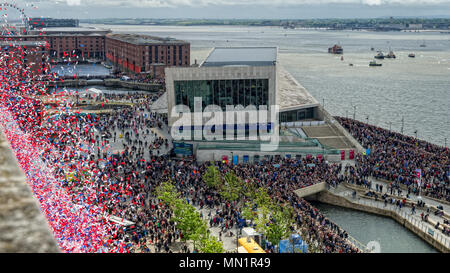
(22, 43)
(291, 95)
(69, 30)
(138, 39)
(239, 56)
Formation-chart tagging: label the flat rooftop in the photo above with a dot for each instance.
(22, 43)
(69, 30)
(138, 39)
(242, 56)
(291, 95)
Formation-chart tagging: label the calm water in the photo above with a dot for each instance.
(80, 70)
(365, 227)
(417, 89)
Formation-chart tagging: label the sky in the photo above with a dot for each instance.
(234, 9)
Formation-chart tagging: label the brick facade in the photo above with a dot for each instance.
(145, 54)
(64, 46)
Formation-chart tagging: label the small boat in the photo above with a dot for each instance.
(374, 63)
(390, 55)
(411, 55)
(336, 49)
(372, 49)
(350, 64)
(380, 55)
(423, 44)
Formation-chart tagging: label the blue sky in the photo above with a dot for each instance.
(228, 9)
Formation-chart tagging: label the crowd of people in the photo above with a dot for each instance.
(397, 158)
(116, 161)
(129, 161)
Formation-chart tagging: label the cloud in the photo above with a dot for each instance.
(203, 3)
(73, 2)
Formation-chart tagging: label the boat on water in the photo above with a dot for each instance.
(336, 49)
(411, 55)
(380, 55)
(350, 64)
(372, 49)
(374, 63)
(423, 44)
(390, 55)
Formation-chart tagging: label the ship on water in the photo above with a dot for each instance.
(390, 55)
(411, 55)
(336, 49)
(380, 55)
(374, 63)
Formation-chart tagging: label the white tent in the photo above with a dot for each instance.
(91, 91)
(94, 91)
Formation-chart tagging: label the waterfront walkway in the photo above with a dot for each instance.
(405, 213)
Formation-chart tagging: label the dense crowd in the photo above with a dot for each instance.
(396, 157)
(116, 161)
(124, 180)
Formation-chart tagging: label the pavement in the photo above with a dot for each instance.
(405, 212)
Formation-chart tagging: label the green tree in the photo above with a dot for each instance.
(232, 187)
(210, 244)
(212, 177)
(167, 193)
(189, 221)
(280, 225)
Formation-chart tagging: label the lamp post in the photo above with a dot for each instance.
(354, 111)
(403, 121)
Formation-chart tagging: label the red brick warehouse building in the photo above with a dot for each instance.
(65, 43)
(142, 54)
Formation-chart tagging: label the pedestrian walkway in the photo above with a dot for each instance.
(404, 212)
(412, 196)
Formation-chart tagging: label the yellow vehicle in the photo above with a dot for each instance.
(250, 245)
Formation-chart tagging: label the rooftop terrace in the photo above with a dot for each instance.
(239, 56)
(291, 94)
(138, 39)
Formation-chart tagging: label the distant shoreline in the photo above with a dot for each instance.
(373, 24)
(442, 31)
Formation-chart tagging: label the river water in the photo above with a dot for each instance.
(391, 236)
(416, 89)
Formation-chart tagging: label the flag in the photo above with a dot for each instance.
(419, 176)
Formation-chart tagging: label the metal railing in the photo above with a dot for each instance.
(418, 223)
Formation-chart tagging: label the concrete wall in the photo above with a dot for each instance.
(329, 198)
(151, 87)
(23, 228)
(327, 117)
(216, 154)
(311, 190)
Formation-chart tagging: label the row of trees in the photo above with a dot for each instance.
(188, 220)
(273, 219)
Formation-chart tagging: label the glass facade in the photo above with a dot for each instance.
(297, 115)
(223, 92)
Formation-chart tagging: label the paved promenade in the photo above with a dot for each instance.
(405, 212)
